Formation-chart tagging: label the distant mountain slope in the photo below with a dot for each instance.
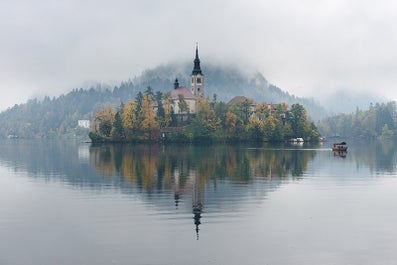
(57, 117)
(226, 82)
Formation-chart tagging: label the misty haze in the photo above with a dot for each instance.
(211, 132)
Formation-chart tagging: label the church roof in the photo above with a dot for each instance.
(239, 100)
(181, 90)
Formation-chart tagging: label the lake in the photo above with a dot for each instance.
(76, 203)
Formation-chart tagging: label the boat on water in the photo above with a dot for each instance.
(296, 140)
(340, 147)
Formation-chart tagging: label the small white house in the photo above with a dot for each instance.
(83, 124)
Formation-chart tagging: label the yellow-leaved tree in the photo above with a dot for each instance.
(129, 117)
(149, 125)
(232, 123)
(103, 121)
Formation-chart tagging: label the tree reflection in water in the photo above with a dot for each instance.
(188, 169)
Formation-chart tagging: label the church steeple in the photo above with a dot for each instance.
(197, 68)
(197, 77)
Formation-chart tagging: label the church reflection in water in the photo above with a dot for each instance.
(215, 174)
(190, 186)
(197, 205)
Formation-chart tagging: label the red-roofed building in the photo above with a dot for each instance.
(177, 93)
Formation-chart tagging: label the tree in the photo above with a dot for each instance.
(269, 128)
(232, 124)
(160, 109)
(182, 104)
(138, 98)
(205, 122)
(313, 134)
(387, 134)
(104, 121)
(149, 91)
(297, 118)
(168, 111)
(262, 111)
(149, 123)
(246, 109)
(221, 109)
(256, 128)
(129, 115)
(118, 128)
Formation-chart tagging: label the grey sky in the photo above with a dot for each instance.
(306, 47)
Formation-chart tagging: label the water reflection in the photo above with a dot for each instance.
(379, 156)
(194, 171)
(156, 166)
(207, 179)
(280, 204)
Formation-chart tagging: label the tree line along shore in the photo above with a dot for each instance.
(151, 118)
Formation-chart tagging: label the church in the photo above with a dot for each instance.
(190, 96)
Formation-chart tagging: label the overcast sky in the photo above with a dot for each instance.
(306, 47)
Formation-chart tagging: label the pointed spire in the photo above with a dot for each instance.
(197, 68)
(197, 57)
(176, 84)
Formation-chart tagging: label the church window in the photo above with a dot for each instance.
(199, 80)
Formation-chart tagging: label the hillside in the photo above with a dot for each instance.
(226, 82)
(58, 116)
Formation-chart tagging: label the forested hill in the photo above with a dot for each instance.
(58, 116)
(226, 82)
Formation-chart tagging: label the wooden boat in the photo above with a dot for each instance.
(340, 147)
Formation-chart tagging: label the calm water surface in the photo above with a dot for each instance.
(76, 203)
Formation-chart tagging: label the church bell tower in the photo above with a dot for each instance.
(197, 77)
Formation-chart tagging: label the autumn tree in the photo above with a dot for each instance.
(269, 127)
(256, 129)
(149, 124)
(205, 122)
(231, 123)
(129, 118)
(103, 121)
(262, 111)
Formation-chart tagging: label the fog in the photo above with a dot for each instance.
(309, 48)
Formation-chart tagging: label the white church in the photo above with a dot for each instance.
(196, 89)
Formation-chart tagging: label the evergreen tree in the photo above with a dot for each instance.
(118, 128)
(160, 109)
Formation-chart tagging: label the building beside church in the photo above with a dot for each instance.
(189, 96)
